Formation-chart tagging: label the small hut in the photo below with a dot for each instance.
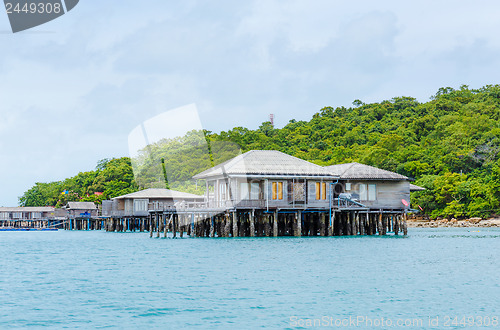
(371, 186)
(136, 204)
(81, 209)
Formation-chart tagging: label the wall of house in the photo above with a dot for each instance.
(388, 193)
(324, 200)
(308, 198)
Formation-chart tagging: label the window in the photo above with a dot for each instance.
(254, 190)
(222, 191)
(320, 190)
(140, 205)
(277, 190)
(363, 195)
(348, 186)
(372, 192)
(244, 190)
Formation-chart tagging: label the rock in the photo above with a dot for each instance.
(475, 220)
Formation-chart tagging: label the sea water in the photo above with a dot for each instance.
(433, 278)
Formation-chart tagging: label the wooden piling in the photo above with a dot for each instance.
(275, 224)
(330, 224)
(297, 230)
(235, 224)
(405, 225)
(267, 226)
(379, 224)
(396, 224)
(252, 223)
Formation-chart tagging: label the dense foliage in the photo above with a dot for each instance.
(450, 145)
(112, 177)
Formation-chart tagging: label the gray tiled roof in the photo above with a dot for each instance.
(159, 193)
(264, 162)
(27, 209)
(361, 171)
(414, 187)
(81, 206)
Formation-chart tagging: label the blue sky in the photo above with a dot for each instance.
(72, 90)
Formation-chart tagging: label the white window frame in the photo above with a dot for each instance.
(372, 192)
(143, 203)
(244, 190)
(363, 192)
(254, 190)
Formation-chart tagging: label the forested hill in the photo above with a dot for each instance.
(111, 177)
(450, 145)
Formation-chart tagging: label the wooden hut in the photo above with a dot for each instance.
(29, 217)
(81, 209)
(133, 211)
(136, 204)
(371, 186)
(267, 179)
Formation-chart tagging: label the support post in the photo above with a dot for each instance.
(252, 223)
(275, 224)
(212, 225)
(297, 231)
(405, 225)
(235, 224)
(380, 227)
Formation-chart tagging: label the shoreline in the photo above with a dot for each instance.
(454, 223)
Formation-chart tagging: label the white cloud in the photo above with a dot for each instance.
(70, 96)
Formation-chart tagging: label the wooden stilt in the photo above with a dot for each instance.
(251, 215)
(275, 224)
(322, 225)
(165, 225)
(235, 224)
(356, 224)
(267, 226)
(299, 223)
(330, 224)
(151, 226)
(396, 224)
(379, 225)
(405, 226)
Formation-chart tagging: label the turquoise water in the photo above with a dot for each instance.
(97, 279)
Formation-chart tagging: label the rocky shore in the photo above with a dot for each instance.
(472, 222)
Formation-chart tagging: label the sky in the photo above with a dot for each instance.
(73, 89)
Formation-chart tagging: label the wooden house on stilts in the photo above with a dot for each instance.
(269, 193)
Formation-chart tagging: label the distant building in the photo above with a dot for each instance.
(27, 213)
(136, 203)
(81, 209)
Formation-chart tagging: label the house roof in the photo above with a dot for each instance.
(159, 193)
(264, 162)
(414, 187)
(27, 209)
(80, 206)
(361, 171)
